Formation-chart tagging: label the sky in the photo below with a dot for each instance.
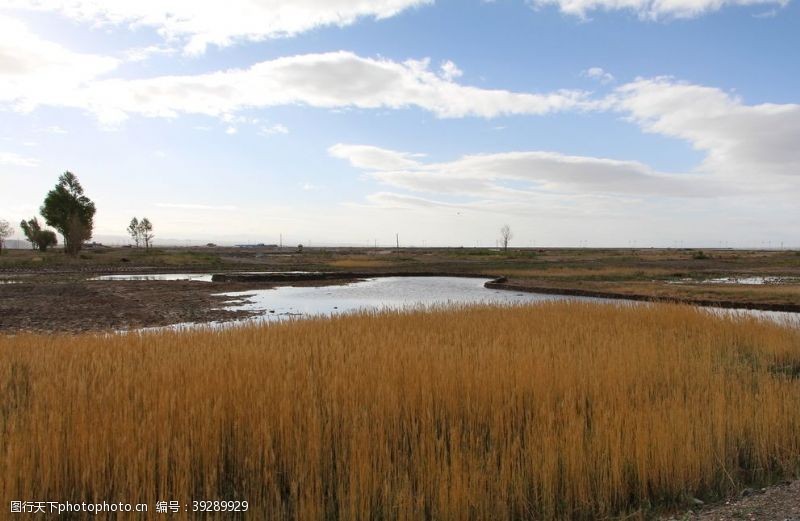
(346, 122)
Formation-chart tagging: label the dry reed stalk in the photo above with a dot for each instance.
(552, 411)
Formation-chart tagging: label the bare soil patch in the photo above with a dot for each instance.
(777, 503)
(75, 305)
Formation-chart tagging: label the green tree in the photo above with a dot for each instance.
(134, 231)
(6, 231)
(146, 232)
(70, 212)
(41, 239)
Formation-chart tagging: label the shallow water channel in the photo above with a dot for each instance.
(383, 293)
(389, 293)
(393, 293)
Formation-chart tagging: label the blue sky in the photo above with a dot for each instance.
(345, 122)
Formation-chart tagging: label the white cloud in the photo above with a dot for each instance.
(54, 129)
(650, 9)
(189, 206)
(272, 130)
(751, 151)
(198, 24)
(547, 206)
(520, 175)
(402, 201)
(746, 143)
(770, 13)
(450, 71)
(35, 72)
(231, 130)
(139, 54)
(751, 164)
(373, 158)
(13, 159)
(597, 73)
(330, 80)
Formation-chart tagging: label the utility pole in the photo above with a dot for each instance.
(280, 243)
(397, 239)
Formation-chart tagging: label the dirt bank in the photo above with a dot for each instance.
(776, 503)
(63, 301)
(77, 305)
(534, 287)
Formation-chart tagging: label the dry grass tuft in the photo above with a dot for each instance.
(361, 263)
(554, 411)
(594, 273)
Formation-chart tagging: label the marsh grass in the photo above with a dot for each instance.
(361, 263)
(595, 273)
(554, 411)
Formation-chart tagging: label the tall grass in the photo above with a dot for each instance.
(555, 411)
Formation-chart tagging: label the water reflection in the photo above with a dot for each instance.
(397, 293)
(416, 292)
(199, 277)
(746, 281)
(382, 293)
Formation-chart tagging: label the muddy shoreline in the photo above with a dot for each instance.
(502, 283)
(726, 304)
(337, 275)
(58, 301)
(43, 305)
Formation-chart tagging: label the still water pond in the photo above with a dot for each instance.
(415, 292)
(382, 293)
(201, 277)
(390, 293)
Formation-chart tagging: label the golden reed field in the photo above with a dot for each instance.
(554, 411)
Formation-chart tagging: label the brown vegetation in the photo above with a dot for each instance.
(353, 263)
(678, 274)
(554, 411)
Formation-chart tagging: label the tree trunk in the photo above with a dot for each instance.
(73, 239)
